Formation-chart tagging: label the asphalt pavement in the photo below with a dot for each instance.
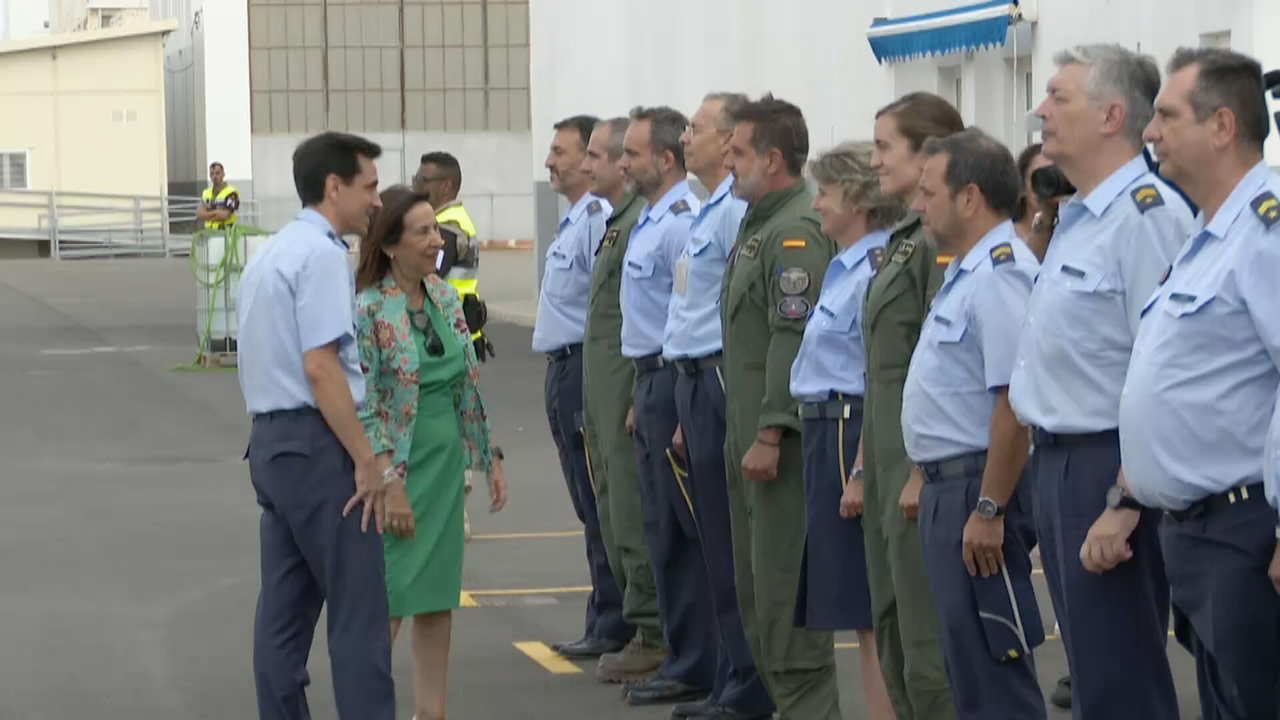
(128, 529)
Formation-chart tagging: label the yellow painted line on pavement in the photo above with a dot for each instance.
(528, 535)
(529, 591)
(552, 661)
(467, 601)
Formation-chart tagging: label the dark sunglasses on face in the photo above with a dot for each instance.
(435, 347)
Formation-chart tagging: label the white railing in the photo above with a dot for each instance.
(97, 225)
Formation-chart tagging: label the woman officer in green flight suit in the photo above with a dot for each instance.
(902, 609)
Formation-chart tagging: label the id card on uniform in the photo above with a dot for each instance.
(680, 282)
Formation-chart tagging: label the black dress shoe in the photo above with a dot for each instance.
(587, 647)
(693, 710)
(662, 690)
(1061, 695)
(724, 713)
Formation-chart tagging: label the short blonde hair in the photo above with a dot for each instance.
(848, 167)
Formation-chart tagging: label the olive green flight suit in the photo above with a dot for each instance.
(607, 379)
(770, 287)
(902, 608)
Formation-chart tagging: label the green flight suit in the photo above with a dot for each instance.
(770, 287)
(902, 609)
(607, 379)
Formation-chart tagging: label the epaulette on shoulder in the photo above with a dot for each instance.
(1001, 254)
(680, 206)
(1146, 197)
(1267, 208)
(594, 207)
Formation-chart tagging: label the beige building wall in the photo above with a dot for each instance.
(88, 110)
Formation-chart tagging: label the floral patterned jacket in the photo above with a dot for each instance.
(389, 360)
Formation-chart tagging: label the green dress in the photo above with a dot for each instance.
(424, 572)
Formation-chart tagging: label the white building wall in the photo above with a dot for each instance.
(225, 30)
(21, 19)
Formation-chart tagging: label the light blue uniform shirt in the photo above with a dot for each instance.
(648, 269)
(1201, 390)
(1107, 255)
(693, 320)
(566, 277)
(966, 348)
(297, 294)
(832, 356)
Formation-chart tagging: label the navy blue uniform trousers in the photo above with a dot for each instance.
(1225, 610)
(311, 556)
(982, 687)
(563, 394)
(1071, 476)
(700, 409)
(679, 569)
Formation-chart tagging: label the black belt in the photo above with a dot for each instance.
(693, 366)
(292, 412)
(649, 363)
(1221, 501)
(961, 465)
(564, 353)
(841, 408)
(1043, 438)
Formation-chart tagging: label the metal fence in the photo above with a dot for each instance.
(98, 225)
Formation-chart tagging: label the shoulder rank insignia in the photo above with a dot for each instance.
(1001, 254)
(593, 207)
(796, 243)
(1267, 208)
(1146, 197)
(944, 259)
(793, 280)
(680, 206)
(876, 256)
(751, 246)
(904, 251)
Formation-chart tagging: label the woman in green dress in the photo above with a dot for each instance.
(422, 409)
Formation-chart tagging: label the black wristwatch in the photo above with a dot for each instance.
(988, 509)
(1118, 499)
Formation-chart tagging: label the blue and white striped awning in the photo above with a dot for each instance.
(968, 27)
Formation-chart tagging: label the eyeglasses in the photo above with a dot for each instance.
(435, 347)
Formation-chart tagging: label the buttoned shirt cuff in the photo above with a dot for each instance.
(787, 421)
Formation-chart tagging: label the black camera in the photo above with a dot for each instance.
(1048, 182)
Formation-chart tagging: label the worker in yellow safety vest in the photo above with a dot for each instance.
(219, 202)
(440, 178)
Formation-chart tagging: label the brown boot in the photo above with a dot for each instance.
(633, 663)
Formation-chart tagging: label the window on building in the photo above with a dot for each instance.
(951, 86)
(13, 170)
(1220, 40)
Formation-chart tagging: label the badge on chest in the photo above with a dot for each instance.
(904, 252)
(751, 247)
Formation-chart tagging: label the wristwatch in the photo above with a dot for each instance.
(988, 509)
(856, 474)
(1118, 499)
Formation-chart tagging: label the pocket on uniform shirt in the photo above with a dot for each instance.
(1080, 279)
(641, 267)
(945, 330)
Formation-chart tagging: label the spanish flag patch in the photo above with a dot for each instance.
(794, 243)
(945, 260)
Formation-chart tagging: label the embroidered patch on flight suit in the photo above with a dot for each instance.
(593, 207)
(1146, 197)
(610, 237)
(1267, 208)
(904, 251)
(794, 307)
(1001, 254)
(680, 206)
(796, 243)
(877, 258)
(751, 246)
(793, 280)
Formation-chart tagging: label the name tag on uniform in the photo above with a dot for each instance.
(826, 311)
(1182, 298)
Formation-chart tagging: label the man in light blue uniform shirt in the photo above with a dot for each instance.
(1113, 240)
(692, 343)
(558, 332)
(1202, 384)
(302, 383)
(958, 427)
(653, 160)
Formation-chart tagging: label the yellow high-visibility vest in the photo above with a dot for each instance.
(224, 201)
(464, 276)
